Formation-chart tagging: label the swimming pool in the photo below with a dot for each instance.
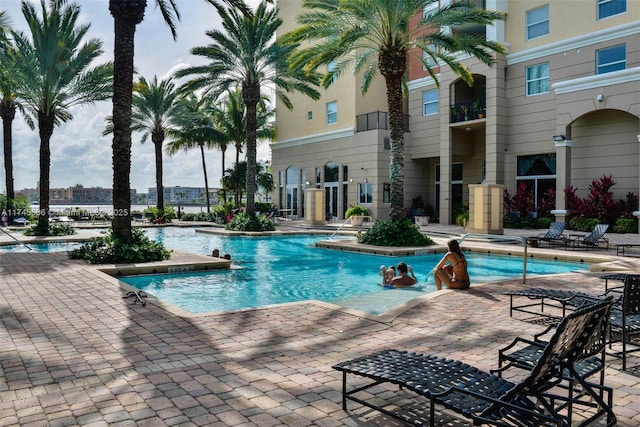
(39, 247)
(278, 269)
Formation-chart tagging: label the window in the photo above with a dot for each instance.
(430, 102)
(309, 115)
(386, 192)
(607, 8)
(538, 173)
(538, 22)
(365, 193)
(428, 61)
(537, 79)
(611, 59)
(332, 112)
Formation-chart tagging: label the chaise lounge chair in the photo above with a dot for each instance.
(625, 318)
(554, 235)
(560, 299)
(593, 240)
(486, 398)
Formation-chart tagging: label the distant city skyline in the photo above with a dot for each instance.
(79, 152)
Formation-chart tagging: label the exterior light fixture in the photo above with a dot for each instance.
(559, 138)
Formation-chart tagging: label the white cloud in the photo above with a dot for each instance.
(79, 152)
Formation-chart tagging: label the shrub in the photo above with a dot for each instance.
(245, 222)
(109, 250)
(583, 224)
(356, 210)
(55, 229)
(626, 225)
(544, 222)
(399, 232)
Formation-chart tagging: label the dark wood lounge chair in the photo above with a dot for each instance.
(486, 398)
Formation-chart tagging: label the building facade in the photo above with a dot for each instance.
(560, 109)
(182, 195)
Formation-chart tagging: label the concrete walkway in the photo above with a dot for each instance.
(73, 351)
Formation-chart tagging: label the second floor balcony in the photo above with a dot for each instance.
(376, 120)
(465, 111)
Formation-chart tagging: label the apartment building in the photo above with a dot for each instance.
(561, 108)
(182, 195)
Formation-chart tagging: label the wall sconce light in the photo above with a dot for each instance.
(350, 179)
(559, 138)
(600, 97)
(307, 183)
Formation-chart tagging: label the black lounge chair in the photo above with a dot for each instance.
(561, 299)
(625, 318)
(594, 239)
(486, 398)
(553, 236)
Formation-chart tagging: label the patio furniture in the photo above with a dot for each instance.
(554, 235)
(484, 397)
(524, 353)
(625, 319)
(592, 240)
(560, 299)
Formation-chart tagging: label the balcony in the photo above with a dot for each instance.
(376, 120)
(465, 111)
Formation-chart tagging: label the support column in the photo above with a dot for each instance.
(563, 175)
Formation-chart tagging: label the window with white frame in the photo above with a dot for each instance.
(611, 59)
(332, 112)
(538, 22)
(607, 8)
(365, 193)
(430, 102)
(428, 61)
(537, 79)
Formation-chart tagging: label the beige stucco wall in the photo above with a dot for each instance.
(568, 18)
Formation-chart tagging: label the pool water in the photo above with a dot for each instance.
(279, 269)
(40, 247)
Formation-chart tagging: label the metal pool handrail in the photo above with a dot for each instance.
(14, 238)
(494, 237)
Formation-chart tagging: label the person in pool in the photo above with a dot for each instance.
(452, 269)
(387, 274)
(406, 277)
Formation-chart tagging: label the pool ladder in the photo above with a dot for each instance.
(340, 228)
(502, 238)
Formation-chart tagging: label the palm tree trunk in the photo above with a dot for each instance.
(157, 143)
(251, 96)
(8, 113)
(393, 68)
(206, 179)
(45, 125)
(126, 16)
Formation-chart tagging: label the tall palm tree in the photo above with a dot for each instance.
(126, 16)
(153, 112)
(245, 54)
(54, 75)
(232, 120)
(377, 36)
(7, 107)
(195, 127)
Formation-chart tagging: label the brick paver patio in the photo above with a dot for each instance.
(73, 351)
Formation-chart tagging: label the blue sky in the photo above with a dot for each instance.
(79, 152)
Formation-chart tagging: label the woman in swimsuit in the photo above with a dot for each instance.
(452, 269)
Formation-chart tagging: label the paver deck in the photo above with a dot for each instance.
(73, 351)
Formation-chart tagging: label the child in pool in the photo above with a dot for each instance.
(387, 274)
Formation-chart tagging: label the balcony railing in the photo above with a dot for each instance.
(465, 111)
(376, 120)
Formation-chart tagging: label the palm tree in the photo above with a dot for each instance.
(7, 107)
(53, 75)
(154, 110)
(126, 16)
(195, 127)
(234, 180)
(377, 36)
(245, 55)
(233, 120)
